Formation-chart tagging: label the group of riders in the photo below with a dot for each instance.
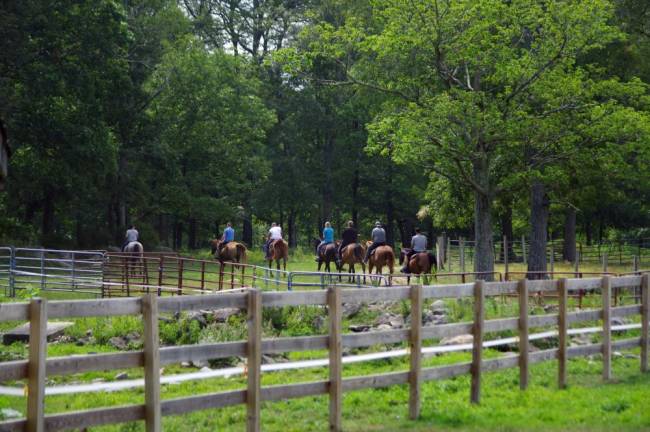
(348, 236)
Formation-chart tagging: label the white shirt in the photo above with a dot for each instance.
(132, 235)
(276, 233)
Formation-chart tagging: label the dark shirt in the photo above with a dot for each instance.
(349, 235)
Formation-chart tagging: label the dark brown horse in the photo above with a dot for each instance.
(327, 255)
(278, 250)
(382, 256)
(419, 263)
(353, 254)
(230, 252)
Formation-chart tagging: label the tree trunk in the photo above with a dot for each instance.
(292, 229)
(191, 234)
(539, 209)
(506, 228)
(390, 211)
(47, 233)
(406, 231)
(247, 230)
(588, 230)
(178, 235)
(484, 249)
(355, 196)
(569, 247)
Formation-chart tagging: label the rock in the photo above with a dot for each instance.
(616, 321)
(134, 338)
(551, 308)
(439, 307)
(222, 315)
(318, 323)
(350, 309)
(583, 339)
(617, 354)
(89, 332)
(358, 328)
(266, 359)
(8, 413)
(396, 322)
(206, 369)
(121, 376)
(630, 356)
(119, 342)
(383, 327)
(199, 363)
(21, 333)
(440, 319)
(198, 317)
(186, 364)
(457, 340)
(89, 340)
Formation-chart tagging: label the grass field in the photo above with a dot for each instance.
(588, 404)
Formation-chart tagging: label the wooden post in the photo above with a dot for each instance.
(43, 282)
(523, 334)
(202, 276)
(335, 358)
(576, 265)
(552, 261)
(254, 361)
(151, 363)
(505, 256)
(462, 255)
(605, 261)
(523, 248)
(180, 277)
(477, 351)
(606, 291)
(160, 274)
(36, 365)
(562, 332)
(645, 316)
(415, 379)
(447, 255)
(635, 264)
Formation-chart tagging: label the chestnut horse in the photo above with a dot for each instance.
(353, 254)
(327, 255)
(232, 251)
(278, 250)
(382, 256)
(419, 263)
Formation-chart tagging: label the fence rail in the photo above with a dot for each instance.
(149, 306)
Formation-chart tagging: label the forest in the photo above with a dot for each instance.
(479, 118)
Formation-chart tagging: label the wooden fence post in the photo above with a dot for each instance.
(415, 379)
(462, 255)
(180, 276)
(552, 261)
(605, 262)
(151, 363)
(36, 365)
(645, 316)
(562, 333)
(576, 265)
(477, 351)
(160, 274)
(254, 360)
(523, 249)
(523, 334)
(335, 358)
(606, 291)
(505, 256)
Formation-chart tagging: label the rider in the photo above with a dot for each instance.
(275, 233)
(131, 236)
(418, 244)
(349, 236)
(228, 235)
(328, 237)
(378, 237)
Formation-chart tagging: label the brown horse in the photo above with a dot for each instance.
(353, 254)
(231, 251)
(383, 256)
(278, 250)
(419, 263)
(327, 255)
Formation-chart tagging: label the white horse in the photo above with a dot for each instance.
(136, 252)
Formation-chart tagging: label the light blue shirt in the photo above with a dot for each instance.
(328, 235)
(229, 234)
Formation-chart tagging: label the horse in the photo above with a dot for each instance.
(327, 254)
(135, 252)
(353, 254)
(419, 263)
(232, 251)
(382, 256)
(278, 250)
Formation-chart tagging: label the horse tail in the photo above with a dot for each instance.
(432, 259)
(241, 253)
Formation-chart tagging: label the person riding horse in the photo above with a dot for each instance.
(131, 236)
(349, 236)
(378, 236)
(275, 233)
(328, 238)
(228, 236)
(418, 245)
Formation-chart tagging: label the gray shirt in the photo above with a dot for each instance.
(131, 235)
(419, 243)
(378, 235)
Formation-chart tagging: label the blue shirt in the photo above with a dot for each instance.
(328, 235)
(229, 234)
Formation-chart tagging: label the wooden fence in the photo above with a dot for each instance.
(152, 357)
